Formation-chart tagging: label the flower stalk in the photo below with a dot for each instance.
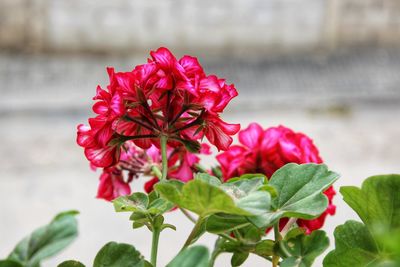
(154, 245)
(163, 144)
(278, 238)
(194, 232)
(217, 250)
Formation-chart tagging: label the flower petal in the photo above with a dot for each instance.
(250, 136)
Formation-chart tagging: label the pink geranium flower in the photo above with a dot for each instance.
(112, 184)
(265, 151)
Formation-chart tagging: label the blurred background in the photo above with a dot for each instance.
(328, 68)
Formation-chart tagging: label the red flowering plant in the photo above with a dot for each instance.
(149, 123)
(153, 123)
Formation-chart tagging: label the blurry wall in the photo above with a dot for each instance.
(224, 25)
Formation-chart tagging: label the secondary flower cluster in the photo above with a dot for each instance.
(265, 151)
(134, 162)
(164, 97)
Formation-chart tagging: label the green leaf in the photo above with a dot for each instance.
(136, 225)
(146, 210)
(71, 263)
(270, 189)
(136, 202)
(200, 197)
(205, 195)
(167, 225)
(251, 233)
(152, 196)
(160, 206)
(244, 191)
(9, 263)
(256, 202)
(354, 247)
(264, 248)
(249, 176)
(243, 186)
(139, 217)
(300, 192)
(238, 258)
(209, 179)
(221, 223)
(46, 241)
(304, 249)
(170, 190)
(118, 254)
(377, 202)
(196, 256)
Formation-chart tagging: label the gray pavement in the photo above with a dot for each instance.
(348, 103)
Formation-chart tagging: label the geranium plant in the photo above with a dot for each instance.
(269, 195)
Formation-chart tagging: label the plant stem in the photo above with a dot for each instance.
(156, 171)
(154, 245)
(278, 237)
(187, 214)
(193, 233)
(163, 144)
(217, 250)
(228, 237)
(288, 225)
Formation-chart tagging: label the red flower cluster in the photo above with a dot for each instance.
(164, 97)
(265, 151)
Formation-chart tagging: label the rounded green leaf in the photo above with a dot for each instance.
(304, 249)
(354, 246)
(9, 263)
(71, 263)
(300, 192)
(264, 248)
(118, 254)
(377, 202)
(160, 206)
(255, 202)
(238, 258)
(136, 202)
(221, 223)
(47, 240)
(205, 177)
(196, 256)
(200, 197)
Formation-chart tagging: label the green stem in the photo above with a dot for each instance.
(163, 141)
(238, 235)
(193, 233)
(156, 171)
(154, 246)
(187, 214)
(268, 258)
(217, 250)
(228, 237)
(288, 225)
(278, 237)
